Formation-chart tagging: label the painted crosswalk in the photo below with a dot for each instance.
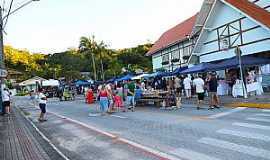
(259, 119)
(250, 125)
(189, 154)
(253, 151)
(219, 115)
(245, 134)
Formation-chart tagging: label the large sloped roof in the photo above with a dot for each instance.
(173, 35)
(257, 13)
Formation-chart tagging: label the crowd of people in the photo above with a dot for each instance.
(124, 95)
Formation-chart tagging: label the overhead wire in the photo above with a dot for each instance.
(9, 10)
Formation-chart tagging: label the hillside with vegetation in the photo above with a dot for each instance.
(91, 56)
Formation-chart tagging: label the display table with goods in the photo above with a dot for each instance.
(153, 97)
(255, 87)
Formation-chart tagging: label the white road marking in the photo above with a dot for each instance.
(253, 151)
(188, 154)
(263, 115)
(250, 125)
(122, 117)
(259, 119)
(245, 134)
(266, 110)
(155, 152)
(227, 113)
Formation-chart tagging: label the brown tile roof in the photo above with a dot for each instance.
(177, 33)
(259, 14)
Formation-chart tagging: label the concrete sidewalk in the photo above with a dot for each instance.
(262, 101)
(20, 141)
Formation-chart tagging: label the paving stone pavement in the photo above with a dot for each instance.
(19, 141)
(187, 133)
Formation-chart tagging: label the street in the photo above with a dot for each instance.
(151, 133)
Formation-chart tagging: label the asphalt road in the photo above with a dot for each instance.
(151, 133)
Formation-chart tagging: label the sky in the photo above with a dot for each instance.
(51, 26)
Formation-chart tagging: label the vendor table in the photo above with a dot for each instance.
(154, 97)
(255, 86)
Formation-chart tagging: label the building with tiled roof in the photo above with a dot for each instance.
(232, 23)
(214, 33)
(174, 47)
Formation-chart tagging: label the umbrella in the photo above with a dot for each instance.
(246, 61)
(202, 67)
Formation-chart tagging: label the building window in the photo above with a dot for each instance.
(165, 59)
(175, 56)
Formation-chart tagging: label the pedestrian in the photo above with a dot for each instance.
(6, 102)
(130, 96)
(213, 97)
(177, 86)
(103, 99)
(199, 85)
(187, 86)
(42, 100)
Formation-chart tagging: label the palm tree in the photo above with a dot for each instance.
(89, 46)
(102, 49)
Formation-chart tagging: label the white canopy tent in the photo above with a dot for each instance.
(32, 81)
(50, 82)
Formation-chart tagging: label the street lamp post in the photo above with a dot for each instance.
(3, 72)
(238, 53)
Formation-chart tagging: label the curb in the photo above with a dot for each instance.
(41, 134)
(249, 105)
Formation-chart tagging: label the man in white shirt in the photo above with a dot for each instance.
(199, 84)
(187, 86)
(42, 105)
(6, 101)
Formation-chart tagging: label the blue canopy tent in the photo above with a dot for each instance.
(246, 61)
(111, 80)
(82, 83)
(158, 74)
(178, 70)
(202, 67)
(125, 78)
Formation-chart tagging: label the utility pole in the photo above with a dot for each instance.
(2, 66)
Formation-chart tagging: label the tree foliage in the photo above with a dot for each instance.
(91, 56)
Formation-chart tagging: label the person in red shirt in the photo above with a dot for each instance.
(103, 99)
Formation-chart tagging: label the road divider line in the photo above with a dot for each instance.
(245, 134)
(259, 119)
(154, 152)
(253, 151)
(227, 113)
(117, 116)
(188, 154)
(250, 125)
